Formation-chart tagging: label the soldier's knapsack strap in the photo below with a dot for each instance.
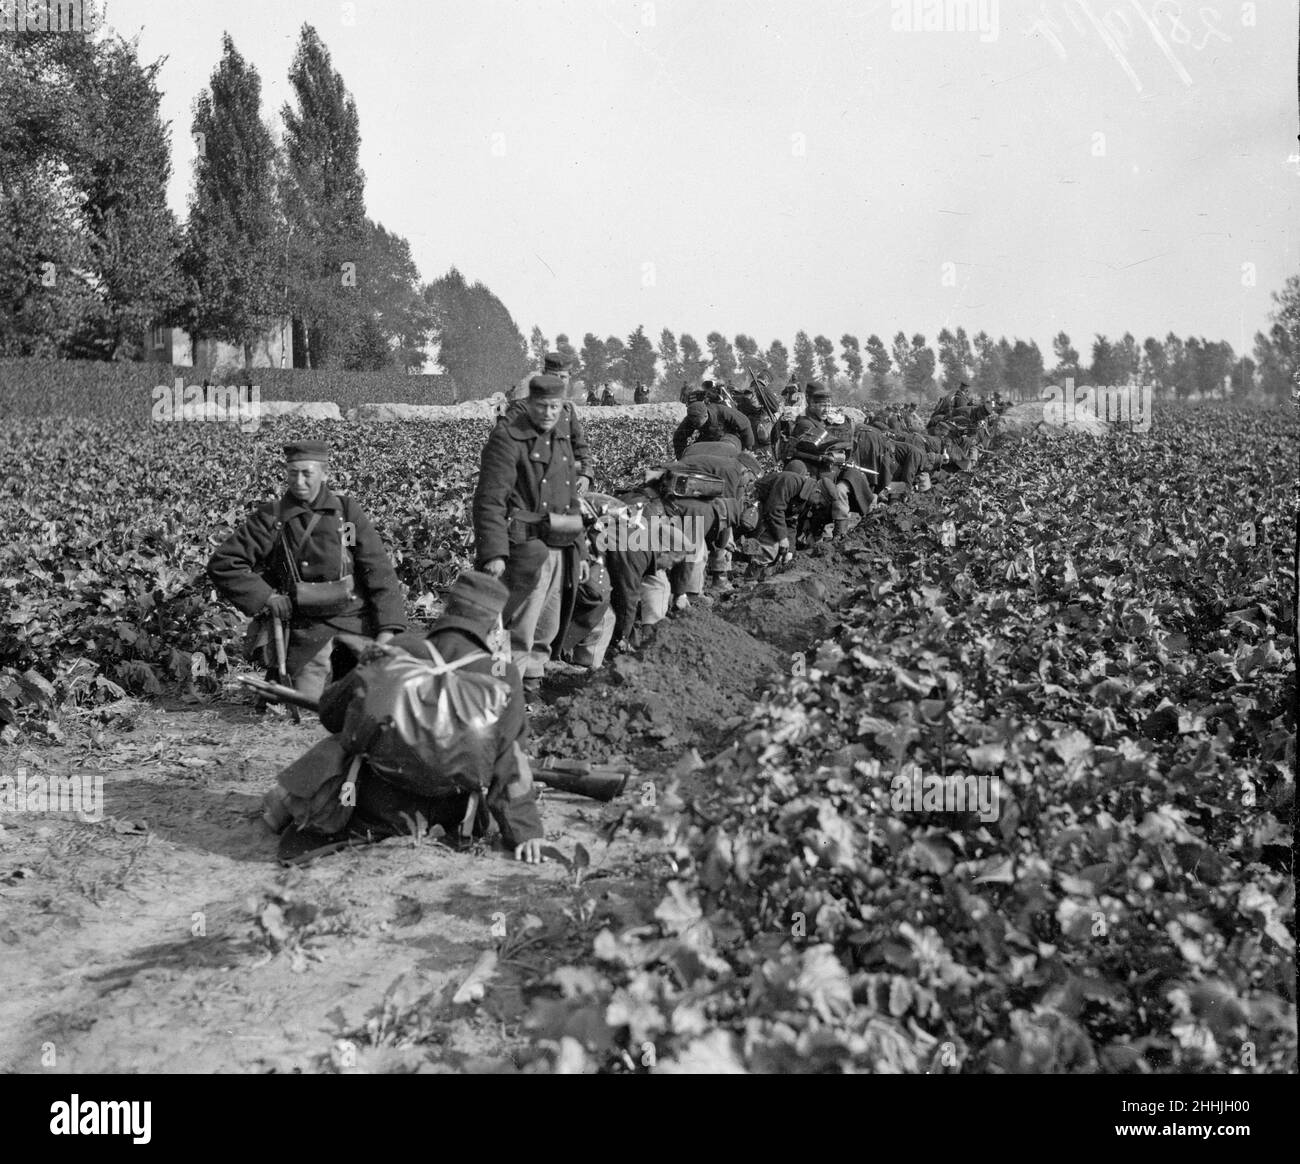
(443, 666)
(471, 813)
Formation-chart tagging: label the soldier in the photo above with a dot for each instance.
(591, 627)
(644, 545)
(593, 398)
(958, 398)
(528, 524)
(751, 407)
(932, 453)
(558, 364)
(889, 459)
(818, 422)
(793, 499)
(710, 421)
(715, 519)
(469, 626)
(313, 562)
(608, 397)
(824, 457)
(642, 394)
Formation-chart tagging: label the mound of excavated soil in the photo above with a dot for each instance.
(792, 609)
(695, 682)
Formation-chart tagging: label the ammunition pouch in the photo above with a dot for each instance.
(557, 530)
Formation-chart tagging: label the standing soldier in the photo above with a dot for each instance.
(642, 394)
(607, 397)
(312, 562)
(528, 525)
(558, 364)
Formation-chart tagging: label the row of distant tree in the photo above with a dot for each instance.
(911, 367)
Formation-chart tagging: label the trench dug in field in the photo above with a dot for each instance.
(166, 937)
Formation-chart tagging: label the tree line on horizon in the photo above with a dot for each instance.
(910, 368)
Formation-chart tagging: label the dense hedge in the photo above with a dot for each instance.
(34, 387)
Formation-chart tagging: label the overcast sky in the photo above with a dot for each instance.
(762, 167)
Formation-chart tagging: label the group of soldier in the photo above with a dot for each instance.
(640, 395)
(564, 574)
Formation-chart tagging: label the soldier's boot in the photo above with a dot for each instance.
(720, 583)
(840, 528)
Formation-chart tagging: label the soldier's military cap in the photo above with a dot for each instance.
(475, 604)
(818, 391)
(697, 411)
(477, 595)
(306, 451)
(546, 387)
(556, 362)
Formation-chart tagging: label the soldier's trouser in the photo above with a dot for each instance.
(591, 648)
(536, 622)
(656, 597)
(840, 502)
(720, 551)
(907, 464)
(313, 676)
(688, 578)
(767, 548)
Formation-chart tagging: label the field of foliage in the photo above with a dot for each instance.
(1112, 637)
(110, 526)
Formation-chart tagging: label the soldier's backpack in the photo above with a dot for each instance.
(690, 483)
(425, 725)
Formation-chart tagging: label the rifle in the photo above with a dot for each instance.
(760, 391)
(595, 781)
(281, 670)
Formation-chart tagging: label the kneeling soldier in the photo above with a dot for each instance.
(312, 562)
(383, 797)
